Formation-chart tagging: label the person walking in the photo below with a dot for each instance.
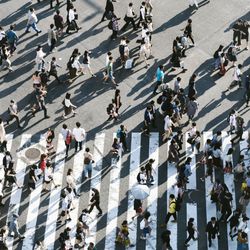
(237, 77)
(147, 120)
(51, 3)
(165, 237)
(171, 209)
(3, 141)
(14, 227)
(88, 161)
(41, 103)
(145, 227)
(95, 201)
(52, 38)
(12, 39)
(117, 100)
(212, 230)
(86, 63)
(122, 135)
(142, 15)
(247, 90)
(53, 69)
(71, 182)
(13, 113)
(129, 18)
(79, 135)
(191, 229)
(40, 58)
(109, 10)
(71, 20)
(110, 72)
(159, 78)
(59, 23)
(114, 27)
(32, 21)
(191, 87)
(192, 108)
(68, 106)
(3, 238)
(67, 136)
(189, 31)
(5, 56)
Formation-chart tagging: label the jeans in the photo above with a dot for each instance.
(88, 170)
(76, 145)
(33, 26)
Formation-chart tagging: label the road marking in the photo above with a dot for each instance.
(113, 203)
(152, 200)
(55, 193)
(16, 193)
(133, 171)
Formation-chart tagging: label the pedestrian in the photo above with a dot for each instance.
(171, 209)
(14, 227)
(5, 56)
(71, 182)
(145, 226)
(53, 69)
(79, 135)
(147, 120)
(165, 237)
(149, 170)
(3, 38)
(144, 53)
(117, 99)
(212, 230)
(247, 90)
(65, 209)
(84, 219)
(192, 108)
(245, 32)
(3, 141)
(48, 177)
(192, 3)
(226, 202)
(95, 202)
(12, 39)
(192, 92)
(234, 222)
(114, 27)
(49, 136)
(52, 38)
(142, 15)
(88, 161)
(13, 113)
(110, 71)
(68, 106)
(237, 32)
(91, 246)
(1, 189)
(32, 21)
(242, 241)
(229, 161)
(67, 136)
(137, 208)
(86, 63)
(59, 23)
(129, 18)
(209, 169)
(217, 156)
(40, 58)
(3, 238)
(71, 20)
(111, 111)
(168, 124)
(123, 235)
(109, 10)
(173, 154)
(32, 178)
(232, 53)
(41, 102)
(159, 78)
(121, 134)
(191, 229)
(189, 31)
(51, 3)
(141, 176)
(216, 56)
(237, 76)
(239, 129)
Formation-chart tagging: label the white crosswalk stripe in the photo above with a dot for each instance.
(114, 190)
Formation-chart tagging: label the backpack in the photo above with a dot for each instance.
(138, 177)
(110, 25)
(121, 49)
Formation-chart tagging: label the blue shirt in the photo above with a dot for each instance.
(11, 36)
(159, 75)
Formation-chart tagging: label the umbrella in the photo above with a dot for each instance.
(140, 192)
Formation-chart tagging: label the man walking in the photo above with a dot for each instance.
(159, 78)
(247, 90)
(109, 10)
(53, 69)
(32, 21)
(212, 229)
(14, 227)
(52, 37)
(13, 113)
(171, 209)
(79, 136)
(67, 136)
(191, 229)
(129, 18)
(12, 39)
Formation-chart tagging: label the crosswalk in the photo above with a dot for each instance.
(110, 194)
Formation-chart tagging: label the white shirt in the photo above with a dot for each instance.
(64, 133)
(217, 153)
(70, 181)
(71, 15)
(2, 35)
(142, 11)
(68, 103)
(232, 120)
(76, 64)
(177, 86)
(65, 203)
(237, 74)
(39, 56)
(167, 123)
(130, 12)
(48, 172)
(79, 134)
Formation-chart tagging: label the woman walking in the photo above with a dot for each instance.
(68, 106)
(117, 99)
(86, 63)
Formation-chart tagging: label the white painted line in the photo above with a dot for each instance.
(77, 172)
(152, 200)
(210, 207)
(96, 181)
(55, 193)
(171, 181)
(16, 193)
(192, 213)
(133, 171)
(189, 153)
(33, 210)
(113, 204)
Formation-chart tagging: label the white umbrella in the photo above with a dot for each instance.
(140, 192)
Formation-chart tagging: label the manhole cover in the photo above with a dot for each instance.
(32, 153)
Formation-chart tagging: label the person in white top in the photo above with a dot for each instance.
(71, 182)
(167, 128)
(40, 58)
(65, 209)
(2, 132)
(68, 106)
(192, 3)
(143, 53)
(48, 178)
(142, 18)
(79, 136)
(237, 77)
(232, 122)
(129, 18)
(88, 160)
(32, 21)
(72, 20)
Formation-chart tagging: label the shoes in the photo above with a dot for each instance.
(186, 245)
(143, 238)
(69, 219)
(46, 117)
(99, 215)
(19, 126)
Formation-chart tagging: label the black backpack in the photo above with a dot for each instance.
(110, 25)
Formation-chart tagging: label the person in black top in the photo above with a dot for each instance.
(32, 178)
(149, 169)
(95, 202)
(109, 10)
(236, 32)
(51, 3)
(191, 87)
(191, 230)
(58, 21)
(53, 69)
(137, 208)
(212, 229)
(165, 237)
(188, 30)
(122, 132)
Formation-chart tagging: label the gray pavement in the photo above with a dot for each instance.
(211, 25)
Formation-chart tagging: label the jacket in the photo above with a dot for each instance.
(213, 229)
(172, 206)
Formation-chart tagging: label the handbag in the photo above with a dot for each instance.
(86, 160)
(68, 138)
(129, 64)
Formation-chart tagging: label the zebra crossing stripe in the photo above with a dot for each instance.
(192, 213)
(55, 193)
(113, 203)
(243, 147)
(171, 181)
(192, 177)
(210, 207)
(77, 171)
(16, 193)
(33, 210)
(96, 181)
(153, 197)
(133, 171)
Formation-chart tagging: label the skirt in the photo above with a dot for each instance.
(67, 110)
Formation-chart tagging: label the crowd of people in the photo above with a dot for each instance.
(172, 106)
